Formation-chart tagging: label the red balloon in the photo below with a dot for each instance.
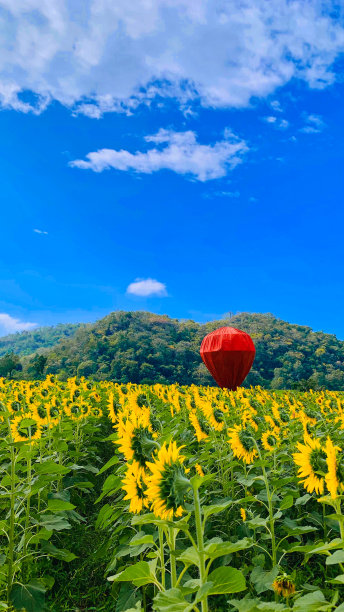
(228, 354)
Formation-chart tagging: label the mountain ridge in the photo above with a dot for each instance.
(143, 347)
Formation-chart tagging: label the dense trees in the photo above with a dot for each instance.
(9, 364)
(27, 342)
(142, 347)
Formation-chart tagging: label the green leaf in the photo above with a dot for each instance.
(258, 521)
(50, 467)
(245, 605)
(287, 502)
(59, 505)
(337, 557)
(141, 538)
(139, 574)
(126, 598)
(338, 579)
(263, 580)
(215, 508)
(301, 501)
(191, 586)
(171, 600)
(215, 550)
(138, 608)
(300, 530)
(28, 596)
(53, 522)
(113, 461)
(256, 605)
(336, 517)
(311, 602)
(226, 580)
(320, 548)
(189, 556)
(57, 553)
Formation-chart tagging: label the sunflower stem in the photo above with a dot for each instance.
(10, 575)
(28, 500)
(162, 556)
(173, 566)
(200, 543)
(339, 511)
(271, 510)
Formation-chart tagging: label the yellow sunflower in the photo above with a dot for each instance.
(311, 460)
(111, 408)
(136, 440)
(270, 440)
(134, 484)
(243, 514)
(242, 444)
(199, 470)
(24, 428)
(199, 433)
(167, 484)
(332, 478)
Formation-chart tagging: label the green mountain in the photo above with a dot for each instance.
(142, 347)
(27, 342)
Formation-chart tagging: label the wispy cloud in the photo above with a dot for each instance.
(176, 151)
(281, 124)
(222, 194)
(314, 125)
(147, 287)
(38, 231)
(64, 51)
(276, 106)
(10, 325)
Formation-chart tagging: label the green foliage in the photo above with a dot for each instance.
(9, 363)
(28, 342)
(146, 348)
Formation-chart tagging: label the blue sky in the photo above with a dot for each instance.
(184, 158)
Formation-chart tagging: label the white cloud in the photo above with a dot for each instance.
(103, 56)
(228, 194)
(314, 125)
(38, 231)
(281, 124)
(276, 106)
(176, 151)
(147, 287)
(10, 325)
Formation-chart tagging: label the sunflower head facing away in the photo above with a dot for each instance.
(136, 441)
(270, 440)
(24, 428)
(168, 483)
(134, 484)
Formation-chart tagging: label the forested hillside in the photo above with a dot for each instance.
(27, 342)
(142, 347)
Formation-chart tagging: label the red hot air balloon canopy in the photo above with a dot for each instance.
(228, 354)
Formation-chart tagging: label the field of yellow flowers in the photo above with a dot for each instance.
(189, 498)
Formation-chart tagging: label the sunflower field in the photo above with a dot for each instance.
(168, 498)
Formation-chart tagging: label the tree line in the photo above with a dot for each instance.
(142, 347)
